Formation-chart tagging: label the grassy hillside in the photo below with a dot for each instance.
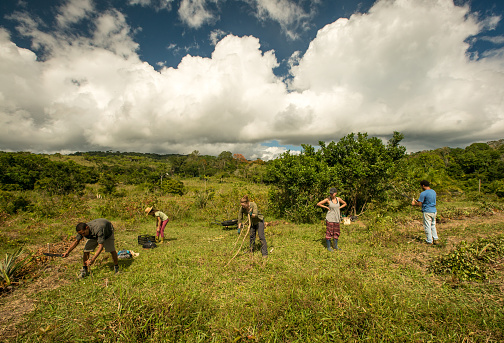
(379, 287)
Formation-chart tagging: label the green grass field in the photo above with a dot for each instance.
(378, 288)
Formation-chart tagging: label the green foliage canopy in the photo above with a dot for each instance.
(363, 165)
(298, 181)
(359, 165)
(26, 171)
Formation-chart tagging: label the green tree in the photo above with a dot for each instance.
(26, 171)
(298, 183)
(172, 186)
(363, 166)
(225, 162)
(108, 184)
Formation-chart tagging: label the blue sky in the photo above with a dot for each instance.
(248, 76)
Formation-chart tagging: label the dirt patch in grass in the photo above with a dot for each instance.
(449, 230)
(42, 275)
(418, 254)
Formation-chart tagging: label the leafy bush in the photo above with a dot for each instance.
(304, 211)
(13, 203)
(299, 182)
(172, 186)
(471, 261)
(108, 183)
(497, 187)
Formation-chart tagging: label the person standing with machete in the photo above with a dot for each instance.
(99, 233)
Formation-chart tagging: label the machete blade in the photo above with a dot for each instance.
(53, 255)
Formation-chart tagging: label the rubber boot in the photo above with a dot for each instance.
(161, 240)
(336, 244)
(157, 239)
(328, 242)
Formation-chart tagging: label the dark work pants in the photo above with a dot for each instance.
(259, 228)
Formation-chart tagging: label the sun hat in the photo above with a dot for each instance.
(148, 209)
(333, 190)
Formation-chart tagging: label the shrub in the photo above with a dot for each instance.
(172, 186)
(471, 261)
(12, 203)
(203, 197)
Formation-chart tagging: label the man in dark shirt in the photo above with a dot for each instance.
(99, 233)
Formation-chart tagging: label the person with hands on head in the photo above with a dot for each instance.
(427, 201)
(99, 233)
(333, 205)
(256, 223)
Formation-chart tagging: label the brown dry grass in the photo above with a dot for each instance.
(17, 302)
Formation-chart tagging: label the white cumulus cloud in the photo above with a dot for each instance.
(73, 11)
(195, 13)
(402, 67)
(287, 13)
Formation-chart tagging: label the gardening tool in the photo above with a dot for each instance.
(53, 255)
(404, 195)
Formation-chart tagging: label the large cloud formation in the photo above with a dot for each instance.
(403, 66)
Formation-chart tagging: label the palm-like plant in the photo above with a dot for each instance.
(12, 264)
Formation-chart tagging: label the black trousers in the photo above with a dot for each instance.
(259, 229)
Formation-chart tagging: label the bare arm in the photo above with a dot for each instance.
(322, 202)
(416, 203)
(91, 261)
(342, 203)
(72, 247)
(240, 218)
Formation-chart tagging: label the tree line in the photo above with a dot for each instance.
(65, 174)
(367, 171)
(370, 173)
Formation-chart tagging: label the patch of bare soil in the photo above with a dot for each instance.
(444, 225)
(19, 300)
(423, 253)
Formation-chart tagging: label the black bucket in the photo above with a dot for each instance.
(142, 239)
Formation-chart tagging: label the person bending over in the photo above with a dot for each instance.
(99, 233)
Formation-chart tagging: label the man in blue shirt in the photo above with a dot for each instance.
(427, 200)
